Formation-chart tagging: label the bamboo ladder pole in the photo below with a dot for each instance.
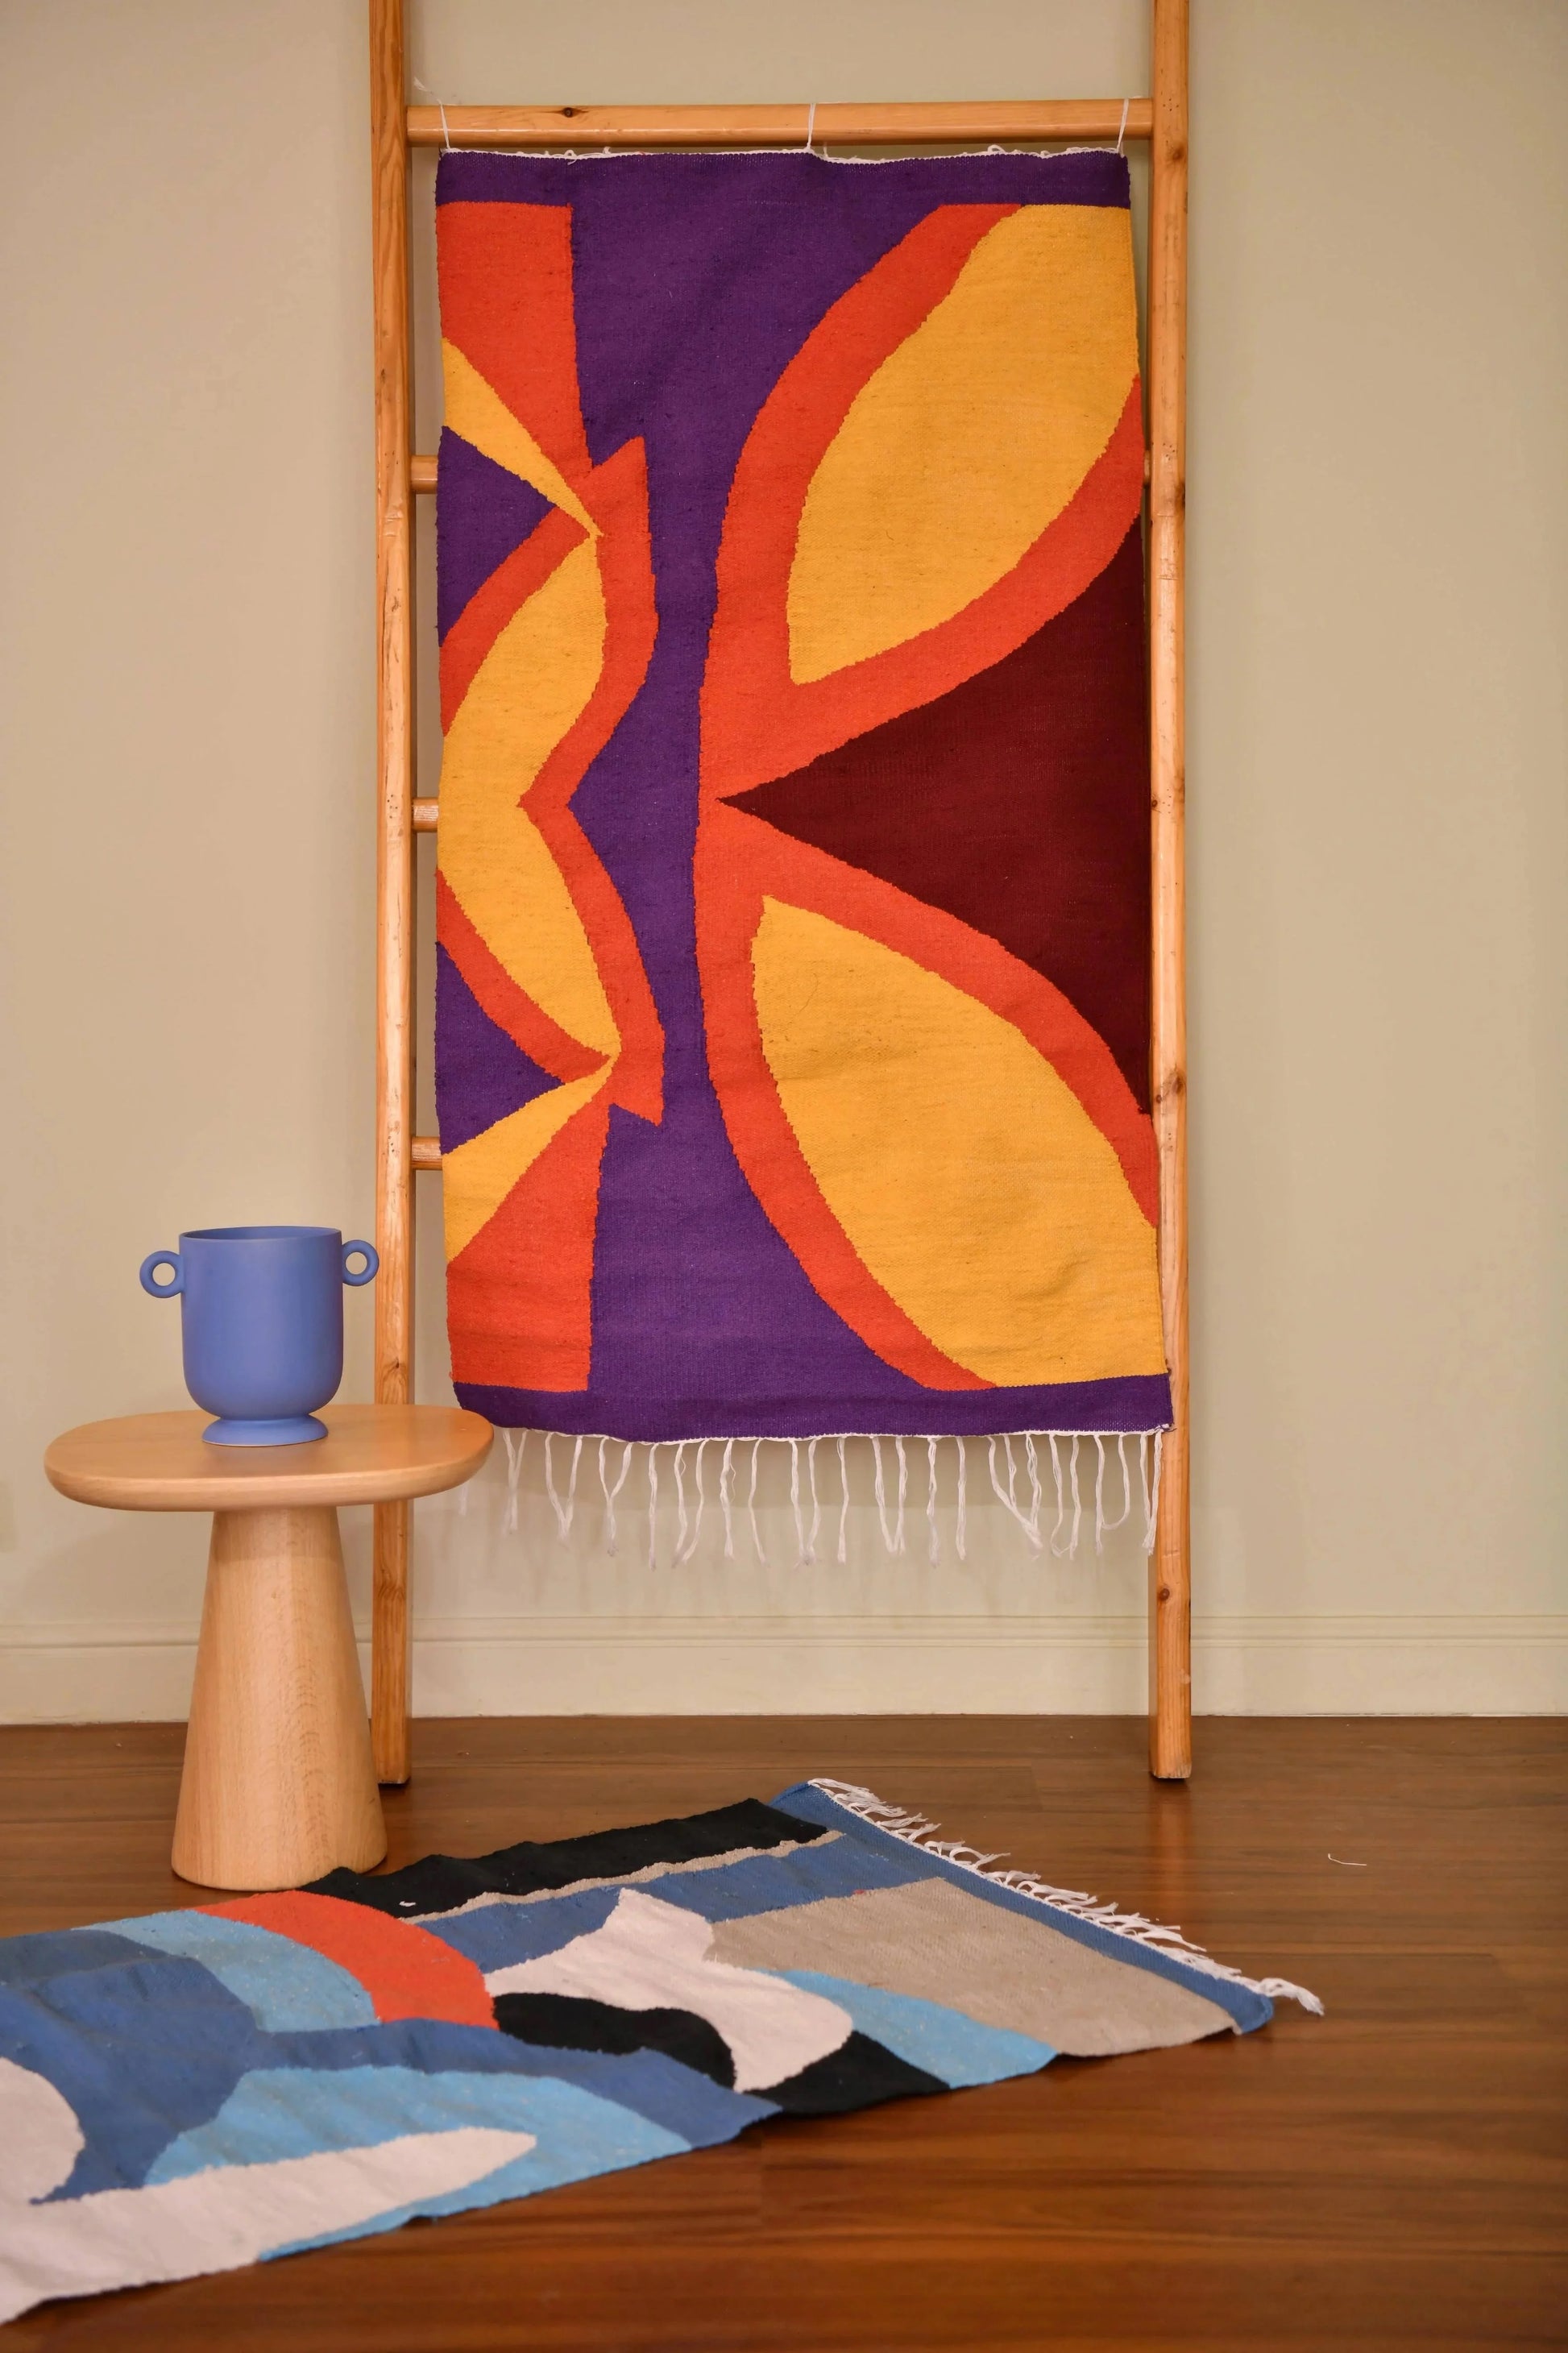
(393, 866)
(1170, 1577)
(397, 127)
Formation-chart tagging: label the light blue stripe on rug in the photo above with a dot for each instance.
(958, 2050)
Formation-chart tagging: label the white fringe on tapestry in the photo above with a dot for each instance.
(1044, 1472)
(916, 1831)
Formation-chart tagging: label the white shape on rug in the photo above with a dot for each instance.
(211, 2221)
(40, 2138)
(654, 1956)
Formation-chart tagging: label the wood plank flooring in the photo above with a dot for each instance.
(1394, 2175)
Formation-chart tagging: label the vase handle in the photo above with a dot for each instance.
(367, 1273)
(163, 1289)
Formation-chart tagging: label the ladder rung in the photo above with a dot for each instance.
(854, 124)
(427, 1152)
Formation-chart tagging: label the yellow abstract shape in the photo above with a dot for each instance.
(965, 1173)
(482, 416)
(478, 1176)
(534, 683)
(970, 439)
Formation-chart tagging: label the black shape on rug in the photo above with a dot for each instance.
(442, 1882)
(859, 2074)
(564, 2021)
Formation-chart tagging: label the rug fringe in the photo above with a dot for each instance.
(915, 1829)
(1020, 1493)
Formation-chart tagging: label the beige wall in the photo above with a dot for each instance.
(1379, 542)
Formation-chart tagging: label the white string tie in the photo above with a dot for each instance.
(563, 1510)
(882, 1497)
(795, 1503)
(1126, 1513)
(1032, 1457)
(1061, 1504)
(679, 1552)
(903, 1491)
(751, 1503)
(652, 1503)
(611, 1492)
(1121, 135)
(843, 1504)
(810, 125)
(961, 1534)
(1099, 1495)
(1143, 1488)
(1154, 1505)
(445, 135)
(812, 1445)
(1006, 1496)
(685, 1554)
(725, 1469)
(1077, 1503)
(516, 1439)
(931, 1546)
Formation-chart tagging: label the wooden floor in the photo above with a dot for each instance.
(1394, 2174)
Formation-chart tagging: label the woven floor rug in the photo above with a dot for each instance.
(792, 1001)
(192, 2091)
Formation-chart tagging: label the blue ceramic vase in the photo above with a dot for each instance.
(262, 1325)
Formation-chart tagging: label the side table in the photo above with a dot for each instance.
(278, 1786)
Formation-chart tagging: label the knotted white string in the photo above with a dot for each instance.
(725, 1469)
(961, 1532)
(652, 1502)
(445, 135)
(795, 1503)
(751, 1502)
(679, 1552)
(685, 1552)
(812, 1445)
(611, 1492)
(1061, 1504)
(1126, 1486)
(903, 1491)
(1121, 135)
(931, 1546)
(810, 124)
(564, 1512)
(516, 1439)
(843, 1504)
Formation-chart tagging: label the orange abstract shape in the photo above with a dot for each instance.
(506, 303)
(519, 1293)
(537, 673)
(616, 494)
(742, 862)
(477, 1177)
(759, 720)
(965, 1173)
(492, 606)
(969, 439)
(498, 996)
(406, 1971)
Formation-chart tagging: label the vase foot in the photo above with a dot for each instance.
(292, 1429)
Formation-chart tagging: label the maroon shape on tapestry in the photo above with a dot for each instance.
(1019, 803)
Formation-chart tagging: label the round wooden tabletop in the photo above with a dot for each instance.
(371, 1454)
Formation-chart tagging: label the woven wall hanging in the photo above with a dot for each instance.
(793, 1010)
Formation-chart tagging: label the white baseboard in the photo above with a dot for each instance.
(688, 1665)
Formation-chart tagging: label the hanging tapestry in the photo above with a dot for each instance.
(792, 1014)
